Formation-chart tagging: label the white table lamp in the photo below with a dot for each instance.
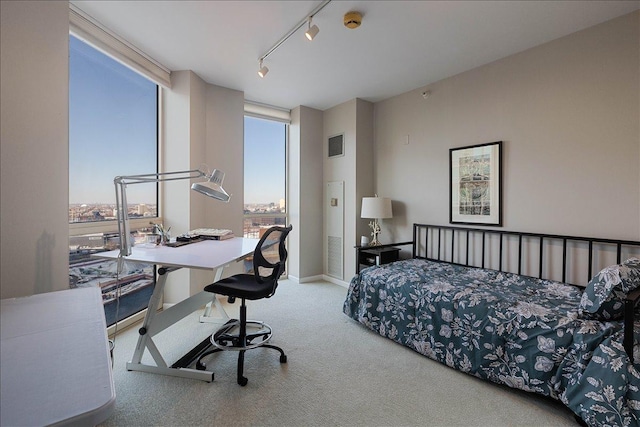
(376, 208)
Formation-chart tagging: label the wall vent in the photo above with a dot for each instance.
(336, 145)
(334, 259)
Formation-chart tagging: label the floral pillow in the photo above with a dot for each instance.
(603, 298)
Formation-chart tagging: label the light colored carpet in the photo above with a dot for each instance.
(338, 374)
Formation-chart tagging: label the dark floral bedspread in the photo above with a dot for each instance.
(514, 330)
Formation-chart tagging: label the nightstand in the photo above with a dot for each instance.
(371, 255)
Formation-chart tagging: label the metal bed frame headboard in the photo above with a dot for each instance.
(440, 243)
(437, 242)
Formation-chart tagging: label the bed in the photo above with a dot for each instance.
(504, 306)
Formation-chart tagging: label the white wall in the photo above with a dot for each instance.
(568, 113)
(34, 135)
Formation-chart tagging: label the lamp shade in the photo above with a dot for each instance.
(214, 191)
(213, 188)
(376, 207)
(312, 32)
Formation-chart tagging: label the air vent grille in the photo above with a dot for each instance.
(334, 261)
(336, 146)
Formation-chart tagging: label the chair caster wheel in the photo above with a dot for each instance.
(243, 381)
(200, 366)
(283, 358)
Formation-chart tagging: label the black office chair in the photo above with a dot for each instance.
(269, 259)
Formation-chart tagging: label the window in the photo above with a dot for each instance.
(113, 130)
(265, 153)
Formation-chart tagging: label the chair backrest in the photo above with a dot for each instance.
(270, 255)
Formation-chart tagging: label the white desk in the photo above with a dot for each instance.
(211, 255)
(55, 367)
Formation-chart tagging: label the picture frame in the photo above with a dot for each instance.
(475, 184)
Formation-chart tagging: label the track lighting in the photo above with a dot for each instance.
(263, 69)
(312, 31)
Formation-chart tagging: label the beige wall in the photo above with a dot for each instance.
(294, 175)
(204, 127)
(305, 207)
(34, 76)
(355, 120)
(341, 119)
(365, 174)
(224, 150)
(183, 127)
(568, 113)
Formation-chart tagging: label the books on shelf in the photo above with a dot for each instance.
(212, 233)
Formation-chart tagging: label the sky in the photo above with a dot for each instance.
(112, 127)
(264, 160)
(112, 131)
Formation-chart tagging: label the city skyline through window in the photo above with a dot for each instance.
(113, 130)
(265, 185)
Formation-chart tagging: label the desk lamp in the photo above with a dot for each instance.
(375, 208)
(211, 188)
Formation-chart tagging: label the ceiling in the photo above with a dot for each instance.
(401, 45)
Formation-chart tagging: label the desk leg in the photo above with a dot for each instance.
(206, 317)
(149, 329)
(152, 309)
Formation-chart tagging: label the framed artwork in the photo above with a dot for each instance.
(475, 184)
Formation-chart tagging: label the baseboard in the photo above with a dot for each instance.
(316, 278)
(335, 281)
(319, 278)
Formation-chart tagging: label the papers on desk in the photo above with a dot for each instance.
(211, 233)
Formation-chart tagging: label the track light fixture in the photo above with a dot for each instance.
(263, 70)
(312, 31)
